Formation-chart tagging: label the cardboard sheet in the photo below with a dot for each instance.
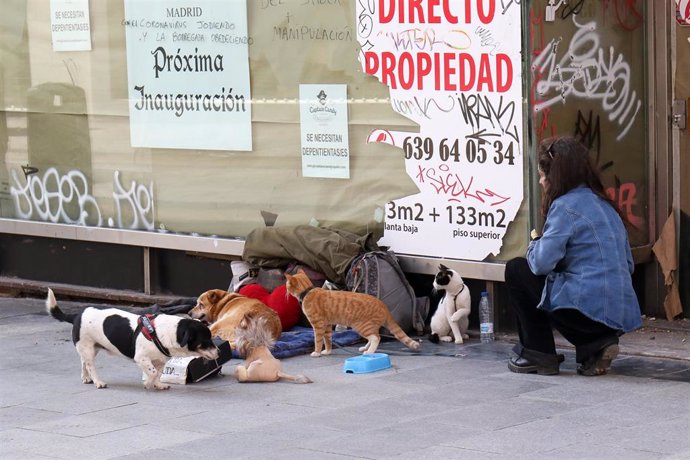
(666, 252)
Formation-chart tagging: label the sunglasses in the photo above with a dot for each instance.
(549, 150)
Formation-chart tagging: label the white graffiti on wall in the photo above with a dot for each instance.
(587, 71)
(55, 198)
(66, 199)
(140, 201)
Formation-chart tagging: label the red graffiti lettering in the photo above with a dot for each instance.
(543, 127)
(625, 198)
(450, 184)
(628, 13)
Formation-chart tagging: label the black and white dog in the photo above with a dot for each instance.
(148, 340)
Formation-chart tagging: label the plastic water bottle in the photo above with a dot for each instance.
(486, 319)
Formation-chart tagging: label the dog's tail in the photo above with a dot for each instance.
(54, 310)
(299, 378)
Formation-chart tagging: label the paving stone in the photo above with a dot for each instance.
(80, 426)
(20, 417)
(515, 411)
(155, 454)
(598, 452)
(446, 452)
(451, 401)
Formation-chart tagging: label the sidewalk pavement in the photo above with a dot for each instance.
(450, 401)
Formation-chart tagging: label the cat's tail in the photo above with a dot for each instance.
(399, 334)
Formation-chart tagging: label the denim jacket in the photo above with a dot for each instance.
(585, 255)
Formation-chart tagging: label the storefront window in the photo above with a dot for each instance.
(588, 80)
(77, 150)
(69, 156)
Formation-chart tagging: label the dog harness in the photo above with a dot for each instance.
(147, 326)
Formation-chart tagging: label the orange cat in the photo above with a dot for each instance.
(325, 308)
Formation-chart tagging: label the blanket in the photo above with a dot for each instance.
(178, 306)
(300, 340)
(297, 341)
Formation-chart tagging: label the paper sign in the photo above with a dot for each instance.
(454, 68)
(323, 120)
(70, 25)
(188, 71)
(175, 370)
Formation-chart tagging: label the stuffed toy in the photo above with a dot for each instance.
(285, 305)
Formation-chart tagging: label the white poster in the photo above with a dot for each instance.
(188, 71)
(323, 120)
(70, 25)
(454, 68)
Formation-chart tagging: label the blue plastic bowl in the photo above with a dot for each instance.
(363, 364)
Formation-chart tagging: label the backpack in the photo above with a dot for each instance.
(378, 273)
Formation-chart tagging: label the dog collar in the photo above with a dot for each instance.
(304, 294)
(147, 326)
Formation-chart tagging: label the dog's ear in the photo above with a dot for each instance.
(442, 268)
(250, 318)
(186, 335)
(185, 338)
(214, 296)
(244, 322)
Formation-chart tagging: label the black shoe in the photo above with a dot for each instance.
(600, 363)
(524, 366)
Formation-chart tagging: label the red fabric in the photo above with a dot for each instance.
(279, 300)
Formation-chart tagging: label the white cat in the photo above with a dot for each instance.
(452, 317)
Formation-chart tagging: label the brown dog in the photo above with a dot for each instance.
(224, 311)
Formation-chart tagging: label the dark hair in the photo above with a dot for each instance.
(566, 165)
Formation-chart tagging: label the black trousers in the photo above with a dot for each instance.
(535, 326)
